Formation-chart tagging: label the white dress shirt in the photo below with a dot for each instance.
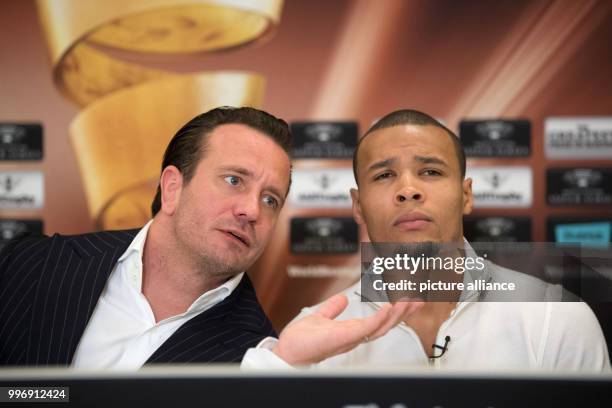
(510, 335)
(489, 335)
(122, 332)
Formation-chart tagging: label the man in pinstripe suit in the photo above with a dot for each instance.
(173, 291)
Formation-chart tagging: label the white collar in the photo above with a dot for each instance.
(132, 258)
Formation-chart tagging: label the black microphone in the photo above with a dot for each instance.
(434, 346)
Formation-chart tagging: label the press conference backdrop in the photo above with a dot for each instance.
(88, 106)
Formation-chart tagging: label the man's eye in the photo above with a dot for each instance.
(383, 176)
(270, 201)
(233, 180)
(431, 172)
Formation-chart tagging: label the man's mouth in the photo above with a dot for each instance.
(239, 236)
(412, 221)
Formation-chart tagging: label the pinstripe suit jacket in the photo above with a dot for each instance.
(49, 287)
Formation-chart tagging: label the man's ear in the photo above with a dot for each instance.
(171, 184)
(357, 214)
(468, 198)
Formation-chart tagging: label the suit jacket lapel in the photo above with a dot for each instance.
(222, 333)
(74, 274)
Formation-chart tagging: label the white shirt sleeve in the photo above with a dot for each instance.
(262, 357)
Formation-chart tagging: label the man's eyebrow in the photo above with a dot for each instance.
(249, 174)
(430, 160)
(237, 169)
(382, 164)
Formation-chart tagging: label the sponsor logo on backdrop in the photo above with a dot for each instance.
(324, 235)
(498, 187)
(590, 234)
(322, 271)
(579, 229)
(496, 138)
(326, 188)
(593, 234)
(21, 189)
(10, 134)
(20, 141)
(578, 138)
(579, 186)
(497, 229)
(323, 132)
(9, 229)
(324, 140)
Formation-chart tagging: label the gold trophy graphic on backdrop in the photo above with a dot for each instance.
(131, 110)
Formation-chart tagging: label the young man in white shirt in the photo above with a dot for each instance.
(410, 172)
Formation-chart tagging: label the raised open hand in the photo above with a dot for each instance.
(319, 336)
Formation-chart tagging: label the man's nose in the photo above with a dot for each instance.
(409, 191)
(248, 207)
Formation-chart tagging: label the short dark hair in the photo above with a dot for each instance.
(412, 117)
(189, 144)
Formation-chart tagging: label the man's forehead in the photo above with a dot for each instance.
(255, 154)
(233, 139)
(405, 139)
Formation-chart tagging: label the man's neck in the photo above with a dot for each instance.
(427, 321)
(171, 281)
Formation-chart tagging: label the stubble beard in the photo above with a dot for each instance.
(213, 266)
(208, 263)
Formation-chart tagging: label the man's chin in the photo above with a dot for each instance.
(412, 238)
(223, 266)
(419, 248)
(230, 266)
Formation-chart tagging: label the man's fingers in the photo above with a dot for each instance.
(394, 317)
(371, 324)
(333, 306)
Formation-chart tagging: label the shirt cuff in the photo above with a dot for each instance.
(261, 357)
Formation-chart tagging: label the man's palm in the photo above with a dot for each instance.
(319, 336)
